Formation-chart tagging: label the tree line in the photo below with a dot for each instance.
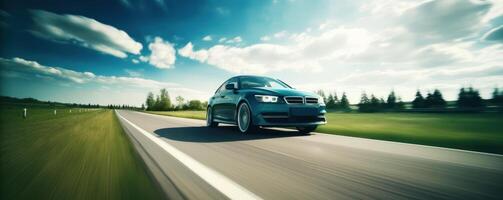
(333, 102)
(162, 102)
(374, 104)
(469, 99)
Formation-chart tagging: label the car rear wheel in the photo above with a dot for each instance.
(209, 118)
(244, 119)
(306, 129)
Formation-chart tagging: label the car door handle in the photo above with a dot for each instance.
(222, 96)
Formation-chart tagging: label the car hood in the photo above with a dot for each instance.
(284, 91)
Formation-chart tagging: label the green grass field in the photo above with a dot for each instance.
(78, 155)
(469, 131)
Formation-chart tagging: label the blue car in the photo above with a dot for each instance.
(251, 102)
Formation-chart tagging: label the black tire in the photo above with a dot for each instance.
(209, 118)
(306, 129)
(244, 119)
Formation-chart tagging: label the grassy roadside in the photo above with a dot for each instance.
(78, 155)
(184, 114)
(470, 131)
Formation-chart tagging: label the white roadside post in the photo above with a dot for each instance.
(24, 113)
(54, 111)
(70, 110)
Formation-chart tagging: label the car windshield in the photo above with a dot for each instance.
(253, 82)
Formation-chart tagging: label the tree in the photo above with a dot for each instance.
(157, 104)
(195, 105)
(336, 101)
(375, 104)
(418, 102)
(391, 101)
(469, 98)
(142, 106)
(164, 100)
(438, 100)
(462, 98)
(434, 100)
(364, 104)
(497, 97)
(400, 105)
(179, 101)
(150, 101)
(428, 101)
(330, 102)
(344, 104)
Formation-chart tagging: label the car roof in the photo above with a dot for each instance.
(240, 76)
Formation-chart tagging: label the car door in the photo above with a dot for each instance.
(228, 101)
(217, 102)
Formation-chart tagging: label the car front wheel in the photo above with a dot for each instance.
(209, 118)
(306, 129)
(244, 119)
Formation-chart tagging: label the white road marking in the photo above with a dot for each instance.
(223, 184)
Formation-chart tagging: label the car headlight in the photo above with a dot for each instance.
(321, 101)
(266, 98)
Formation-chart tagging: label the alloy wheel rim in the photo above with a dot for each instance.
(243, 118)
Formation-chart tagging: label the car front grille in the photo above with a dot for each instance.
(300, 100)
(294, 100)
(311, 100)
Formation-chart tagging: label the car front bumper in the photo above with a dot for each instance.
(288, 115)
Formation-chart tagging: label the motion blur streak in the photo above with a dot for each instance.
(221, 183)
(280, 164)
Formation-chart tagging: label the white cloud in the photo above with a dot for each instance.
(405, 82)
(20, 65)
(33, 67)
(222, 39)
(265, 38)
(134, 73)
(377, 7)
(237, 39)
(495, 11)
(143, 58)
(85, 32)
(207, 38)
(135, 61)
(280, 34)
(443, 54)
(393, 44)
(305, 52)
(162, 54)
(188, 51)
(445, 19)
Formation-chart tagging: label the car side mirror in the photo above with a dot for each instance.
(231, 86)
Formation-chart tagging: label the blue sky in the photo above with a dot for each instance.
(117, 51)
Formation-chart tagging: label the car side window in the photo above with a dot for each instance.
(221, 88)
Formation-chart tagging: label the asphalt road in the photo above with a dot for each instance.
(191, 161)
